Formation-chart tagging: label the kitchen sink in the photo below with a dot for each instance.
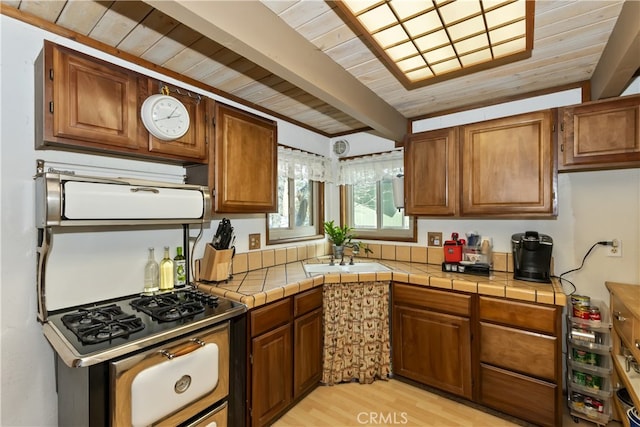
(359, 267)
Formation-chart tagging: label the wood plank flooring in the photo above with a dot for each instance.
(383, 403)
(395, 403)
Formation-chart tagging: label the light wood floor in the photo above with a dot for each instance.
(393, 403)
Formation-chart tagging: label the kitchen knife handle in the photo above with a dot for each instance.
(192, 346)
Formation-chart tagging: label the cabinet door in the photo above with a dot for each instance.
(307, 366)
(270, 375)
(194, 144)
(87, 102)
(431, 173)
(508, 167)
(433, 348)
(245, 162)
(602, 134)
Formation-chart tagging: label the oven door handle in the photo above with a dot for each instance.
(193, 345)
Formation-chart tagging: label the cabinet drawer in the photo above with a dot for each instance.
(519, 395)
(522, 315)
(271, 316)
(305, 302)
(445, 301)
(518, 350)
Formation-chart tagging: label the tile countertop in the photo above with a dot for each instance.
(258, 287)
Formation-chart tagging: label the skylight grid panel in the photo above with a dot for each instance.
(507, 13)
(359, 6)
(423, 24)
(471, 44)
(446, 66)
(432, 41)
(378, 18)
(411, 64)
(477, 57)
(500, 34)
(510, 47)
(418, 75)
(400, 52)
(466, 28)
(405, 9)
(391, 36)
(438, 55)
(454, 12)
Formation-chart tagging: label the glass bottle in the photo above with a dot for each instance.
(151, 273)
(179, 269)
(166, 271)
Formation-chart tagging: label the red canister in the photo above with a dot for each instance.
(453, 249)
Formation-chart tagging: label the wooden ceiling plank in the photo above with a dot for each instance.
(147, 33)
(48, 10)
(621, 57)
(186, 61)
(81, 17)
(255, 32)
(119, 20)
(176, 41)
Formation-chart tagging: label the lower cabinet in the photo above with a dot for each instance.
(503, 354)
(285, 361)
(431, 338)
(521, 359)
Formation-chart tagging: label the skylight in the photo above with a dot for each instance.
(425, 41)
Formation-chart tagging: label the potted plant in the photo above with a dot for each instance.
(341, 237)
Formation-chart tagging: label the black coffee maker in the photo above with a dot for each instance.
(532, 256)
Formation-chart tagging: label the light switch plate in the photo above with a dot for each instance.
(434, 238)
(254, 241)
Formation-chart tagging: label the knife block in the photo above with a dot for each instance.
(215, 265)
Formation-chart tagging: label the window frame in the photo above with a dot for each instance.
(377, 234)
(272, 238)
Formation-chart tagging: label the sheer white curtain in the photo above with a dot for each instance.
(298, 165)
(370, 169)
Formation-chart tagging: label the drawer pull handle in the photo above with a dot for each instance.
(193, 345)
(619, 317)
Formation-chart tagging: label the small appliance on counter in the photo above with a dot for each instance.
(460, 257)
(532, 256)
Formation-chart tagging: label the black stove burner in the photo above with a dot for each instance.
(94, 325)
(169, 307)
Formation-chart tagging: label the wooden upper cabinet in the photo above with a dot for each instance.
(600, 135)
(431, 173)
(194, 144)
(85, 102)
(246, 166)
(507, 167)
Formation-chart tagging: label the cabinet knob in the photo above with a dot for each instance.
(637, 344)
(619, 317)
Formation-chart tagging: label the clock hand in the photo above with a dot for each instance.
(171, 114)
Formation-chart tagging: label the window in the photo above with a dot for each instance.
(370, 210)
(368, 197)
(300, 214)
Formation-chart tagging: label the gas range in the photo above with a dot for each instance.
(91, 334)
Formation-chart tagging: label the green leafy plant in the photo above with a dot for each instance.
(342, 235)
(339, 235)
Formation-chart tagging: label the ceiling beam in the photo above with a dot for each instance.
(621, 56)
(252, 30)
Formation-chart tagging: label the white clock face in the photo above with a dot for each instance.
(165, 117)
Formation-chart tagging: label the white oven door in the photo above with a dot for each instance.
(172, 383)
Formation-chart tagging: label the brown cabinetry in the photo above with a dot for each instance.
(600, 135)
(507, 167)
(497, 168)
(431, 338)
(245, 153)
(431, 173)
(285, 354)
(520, 359)
(86, 104)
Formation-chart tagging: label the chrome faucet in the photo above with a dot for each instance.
(355, 250)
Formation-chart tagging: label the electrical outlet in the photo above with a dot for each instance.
(254, 241)
(615, 249)
(434, 239)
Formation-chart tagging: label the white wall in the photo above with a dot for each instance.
(593, 206)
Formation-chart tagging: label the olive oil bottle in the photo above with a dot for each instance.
(179, 269)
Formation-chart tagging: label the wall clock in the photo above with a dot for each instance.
(164, 116)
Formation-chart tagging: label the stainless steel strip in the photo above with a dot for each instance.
(73, 359)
